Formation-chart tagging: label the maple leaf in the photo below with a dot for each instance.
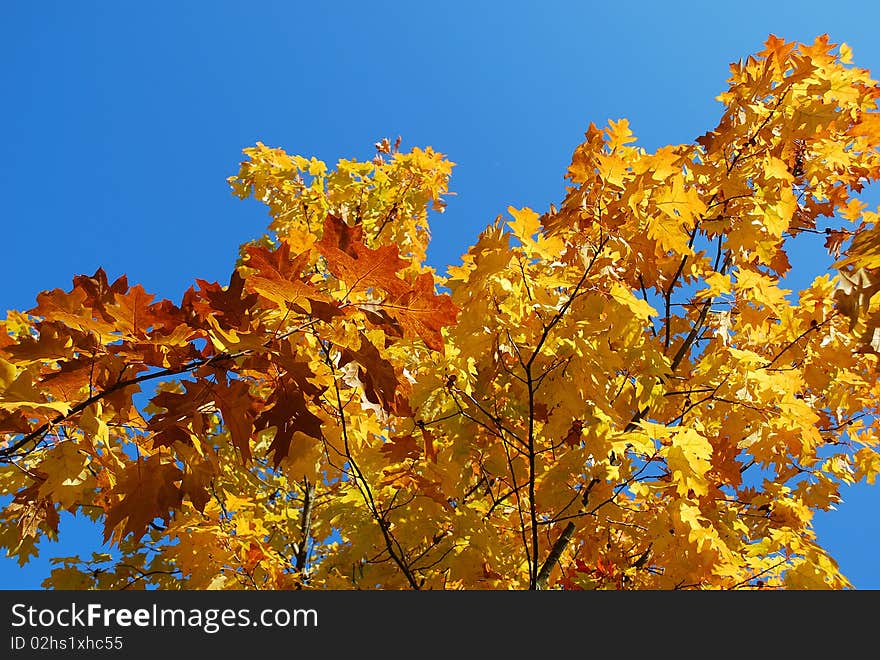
(422, 313)
(360, 267)
(688, 459)
(53, 343)
(670, 235)
(278, 277)
(68, 308)
(147, 490)
(229, 303)
(133, 311)
(196, 484)
(678, 201)
(288, 414)
(377, 374)
(31, 512)
(237, 407)
(400, 448)
(184, 413)
(619, 133)
(65, 474)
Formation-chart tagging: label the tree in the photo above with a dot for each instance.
(617, 393)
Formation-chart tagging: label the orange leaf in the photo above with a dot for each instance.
(147, 491)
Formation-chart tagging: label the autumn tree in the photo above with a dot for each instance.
(616, 393)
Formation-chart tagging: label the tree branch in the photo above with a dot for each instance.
(555, 553)
(302, 554)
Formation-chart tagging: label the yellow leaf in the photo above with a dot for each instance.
(676, 201)
(774, 168)
(669, 234)
(525, 223)
(7, 374)
(638, 306)
(619, 133)
(688, 459)
(719, 284)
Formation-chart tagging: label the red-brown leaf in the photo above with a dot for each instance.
(147, 490)
(359, 266)
(377, 374)
(422, 313)
(288, 414)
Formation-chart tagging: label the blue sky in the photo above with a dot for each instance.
(122, 121)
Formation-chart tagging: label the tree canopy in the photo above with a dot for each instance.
(618, 392)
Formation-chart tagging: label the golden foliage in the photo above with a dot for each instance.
(616, 393)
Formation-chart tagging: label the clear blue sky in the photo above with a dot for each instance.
(122, 121)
